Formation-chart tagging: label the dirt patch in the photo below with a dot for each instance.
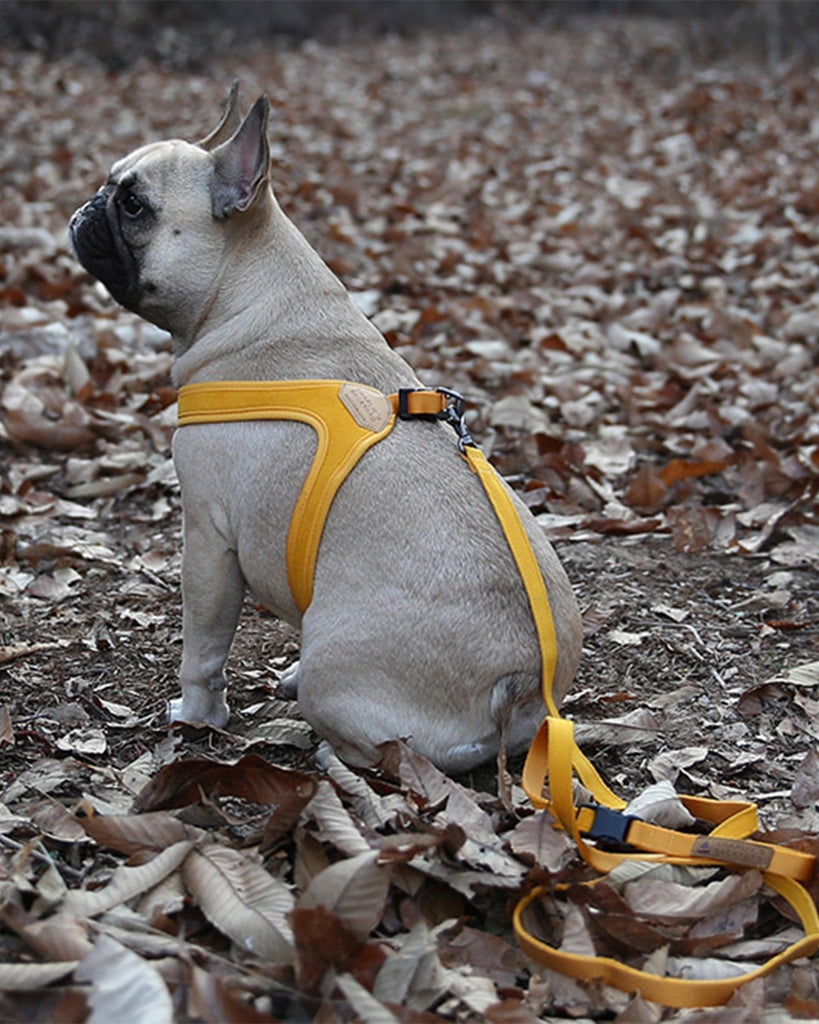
(695, 638)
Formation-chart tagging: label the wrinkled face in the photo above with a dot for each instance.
(150, 234)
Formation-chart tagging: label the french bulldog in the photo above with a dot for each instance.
(419, 626)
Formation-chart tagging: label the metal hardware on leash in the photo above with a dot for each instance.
(453, 414)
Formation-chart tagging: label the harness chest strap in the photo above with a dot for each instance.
(348, 419)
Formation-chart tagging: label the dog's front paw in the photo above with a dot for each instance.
(211, 711)
(288, 685)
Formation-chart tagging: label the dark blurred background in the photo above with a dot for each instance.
(184, 33)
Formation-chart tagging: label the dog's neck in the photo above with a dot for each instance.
(304, 325)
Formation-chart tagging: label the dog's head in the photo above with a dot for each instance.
(155, 234)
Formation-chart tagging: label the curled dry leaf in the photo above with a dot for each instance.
(477, 993)
(365, 1005)
(252, 778)
(633, 727)
(84, 741)
(335, 824)
(242, 900)
(577, 936)
(354, 889)
(660, 805)
(60, 937)
(30, 977)
(127, 882)
(667, 766)
(462, 809)
(405, 846)
(426, 783)
(537, 841)
(124, 987)
(165, 898)
(801, 675)
(668, 902)
(136, 833)
(413, 976)
(375, 811)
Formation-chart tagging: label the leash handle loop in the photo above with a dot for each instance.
(668, 991)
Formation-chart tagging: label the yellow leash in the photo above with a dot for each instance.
(348, 419)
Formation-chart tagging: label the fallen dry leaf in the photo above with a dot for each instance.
(127, 882)
(355, 890)
(251, 778)
(123, 985)
(242, 900)
(667, 902)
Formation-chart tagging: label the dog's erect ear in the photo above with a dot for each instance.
(231, 119)
(241, 164)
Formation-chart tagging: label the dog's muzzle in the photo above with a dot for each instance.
(101, 250)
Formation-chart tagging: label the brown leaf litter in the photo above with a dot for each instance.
(616, 265)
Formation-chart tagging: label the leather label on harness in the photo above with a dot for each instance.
(370, 409)
(733, 851)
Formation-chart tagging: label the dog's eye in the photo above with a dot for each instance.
(131, 205)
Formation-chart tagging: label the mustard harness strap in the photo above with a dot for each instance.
(348, 419)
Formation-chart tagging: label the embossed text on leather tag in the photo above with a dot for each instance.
(370, 409)
(733, 851)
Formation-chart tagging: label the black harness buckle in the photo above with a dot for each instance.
(608, 824)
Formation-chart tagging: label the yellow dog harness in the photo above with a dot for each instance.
(350, 418)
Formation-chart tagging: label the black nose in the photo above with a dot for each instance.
(76, 217)
(94, 205)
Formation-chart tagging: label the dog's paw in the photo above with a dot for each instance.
(463, 757)
(288, 685)
(213, 712)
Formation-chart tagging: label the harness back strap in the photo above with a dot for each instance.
(349, 419)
